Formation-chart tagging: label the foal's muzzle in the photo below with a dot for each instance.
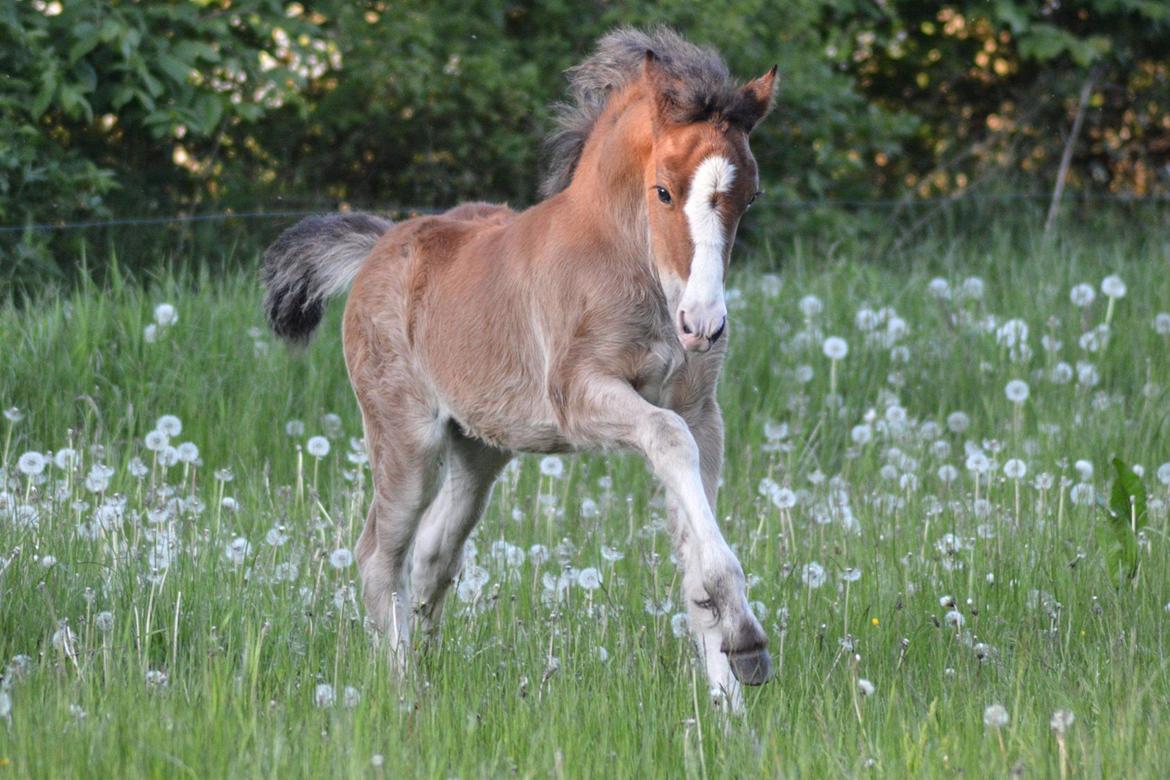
(699, 336)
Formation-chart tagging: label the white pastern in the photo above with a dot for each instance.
(702, 301)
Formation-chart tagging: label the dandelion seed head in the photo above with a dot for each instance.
(170, 425)
(165, 315)
(813, 575)
(973, 288)
(237, 550)
(1113, 287)
(341, 558)
(323, 695)
(939, 288)
(835, 348)
(104, 620)
(1016, 391)
(188, 452)
(552, 466)
(811, 306)
(589, 578)
(1062, 721)
(31, 463)
(318, 447)
(1015, 468)
(958, 422)
(865, 687)
(1162, 323)
(156, 441)
(1082, 295)
(995, 716)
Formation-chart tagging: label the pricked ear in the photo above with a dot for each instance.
(663, 89)
(753, 101)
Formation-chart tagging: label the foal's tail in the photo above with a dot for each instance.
(314, 259)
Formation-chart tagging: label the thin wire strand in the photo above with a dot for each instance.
(764, 204)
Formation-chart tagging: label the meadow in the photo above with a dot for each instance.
(918, 465)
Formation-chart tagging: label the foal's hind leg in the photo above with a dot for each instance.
(471, 470)
(405, 454)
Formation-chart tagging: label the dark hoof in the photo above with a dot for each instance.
(751, 667)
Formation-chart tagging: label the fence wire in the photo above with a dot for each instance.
(402, 211)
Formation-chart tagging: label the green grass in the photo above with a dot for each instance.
(244, 650)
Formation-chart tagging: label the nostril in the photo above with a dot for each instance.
(682, 322)
(719, 332)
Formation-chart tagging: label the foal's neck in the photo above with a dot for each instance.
(608, 183)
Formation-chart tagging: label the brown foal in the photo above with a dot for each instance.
(593, 320)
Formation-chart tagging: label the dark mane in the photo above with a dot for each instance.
(702, 88)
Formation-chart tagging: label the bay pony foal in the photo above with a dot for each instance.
(593, 320)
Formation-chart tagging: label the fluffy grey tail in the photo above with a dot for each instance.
(314, 259)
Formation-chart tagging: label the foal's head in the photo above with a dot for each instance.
(699, 177)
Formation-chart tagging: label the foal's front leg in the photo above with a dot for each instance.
(706, 425)
(734, 641)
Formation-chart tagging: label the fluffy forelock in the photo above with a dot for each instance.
(701, 87)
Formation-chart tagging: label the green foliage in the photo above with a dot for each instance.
(1125, 515)
(128, 107)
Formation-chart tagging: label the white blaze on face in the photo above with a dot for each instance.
(702, 302)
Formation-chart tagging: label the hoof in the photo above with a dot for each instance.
(751, 667)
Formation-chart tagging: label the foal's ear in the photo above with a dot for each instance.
(752, 102)
(663, 87)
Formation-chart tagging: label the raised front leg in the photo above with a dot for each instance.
(706, 425)
(733, 642)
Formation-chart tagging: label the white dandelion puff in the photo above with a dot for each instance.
(165, 315)
(1062, 721)
(835, 348)
(589, 578)
(1082, 295)
(1113, 287)
(236, 551)
(1016, 391)
(865, 687)
(156, 441)
(552, 466)
(813, 575)
(323, 695)
(170, 425)
(995, 716)
(318, 447)
(811, 306)
(1015, 469)
(31, 463)
(341, 558)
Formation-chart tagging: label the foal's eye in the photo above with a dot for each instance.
(663, 195)
(757, 194)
